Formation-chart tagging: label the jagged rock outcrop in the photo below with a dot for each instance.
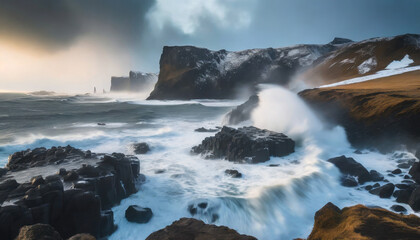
(349, 166)
(246, 144)
(192, 229)
(242, 112)
(363, 223)
(188, 72)
(82, 205)
(135, 82)
(382, 113)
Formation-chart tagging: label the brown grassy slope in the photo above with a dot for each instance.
(336, 67)
(362, 223)
(383, 108)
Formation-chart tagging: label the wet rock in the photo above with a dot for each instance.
(37, 180)
(402, 186)
(242, 112)
(396, 171)
(192, 209)
(138, 214)
(12, 218)
(8, 185)
(414, 200)
(398, 208)
(348, 181)
(383, 192)
(353, 222)
(71, 176)
(415, 172)
(350, 167)
(141, 148)
(189, 228)
(202, 205)
(62, 172)
(38, 232)
(88, 171)
(81, 214)
(403, 196)
(246, 144)
(376, 176)
(206, 130)
(3, 172)
(160, 171)
(233, 173)
(368, 187)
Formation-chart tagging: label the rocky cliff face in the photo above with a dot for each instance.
(135, 82)
(363, 58)
(188, 72)
(380, 113)
(360, 222)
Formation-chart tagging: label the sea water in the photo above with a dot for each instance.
(273, 200)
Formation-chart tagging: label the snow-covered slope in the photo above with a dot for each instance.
(189, 72)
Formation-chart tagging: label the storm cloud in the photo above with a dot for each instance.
(130, 34)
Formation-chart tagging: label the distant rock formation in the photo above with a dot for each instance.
(135, 82)
(188, 72)
(190, 229)
(360, 222)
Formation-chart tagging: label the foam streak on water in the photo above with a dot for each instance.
(267, 202)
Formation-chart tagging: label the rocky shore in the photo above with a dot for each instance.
(73, 201)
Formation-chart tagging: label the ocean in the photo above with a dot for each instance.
(273, 200)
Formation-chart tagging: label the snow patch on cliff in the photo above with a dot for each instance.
(367, 65)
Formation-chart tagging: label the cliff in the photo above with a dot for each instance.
(188, 72)
(135, 82)
(363, 58)
(380, 113)
(360, 222)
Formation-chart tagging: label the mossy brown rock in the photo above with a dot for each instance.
(363, 223)
(193, 229)
(378, 113)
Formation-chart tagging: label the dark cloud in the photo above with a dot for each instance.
(56, 24)
(141, 27)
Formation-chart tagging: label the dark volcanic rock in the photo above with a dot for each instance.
(41, 156)
(384, 191)
(414, 200)
(246, 144)
(233, 173)
(348, 181)
(188, 72)
(360, 222)
(206, 130)
(376, 176)
(38, 232)
(141, 148)
(415, 172)
(351, 167)
(398, 208)
(397, 171)
(191, 229)
(242, 112)
(138, 214)
(82, 209)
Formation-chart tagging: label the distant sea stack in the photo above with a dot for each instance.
(188, 72)
(135, 82)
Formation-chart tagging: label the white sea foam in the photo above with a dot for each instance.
(268, 202)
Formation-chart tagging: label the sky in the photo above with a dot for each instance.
(74, 45)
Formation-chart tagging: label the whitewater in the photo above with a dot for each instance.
(273, 200)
